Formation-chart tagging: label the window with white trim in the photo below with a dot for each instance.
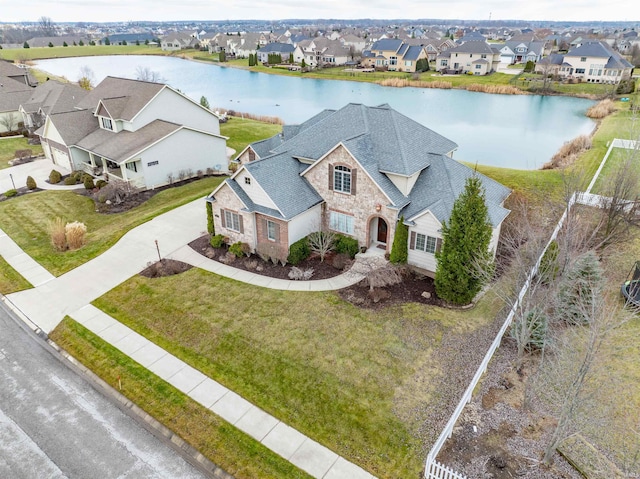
(342, 179)
(132, 166)
(106, 123)
(425, 243)
(272, 231)
(341, 222)
(232, 220)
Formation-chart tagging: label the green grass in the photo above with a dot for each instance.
(10, 279)
(8, 149)
(619, 158)
(234, 451)
(26, 219)
(20, 54)
(350, 378)
(241, 132)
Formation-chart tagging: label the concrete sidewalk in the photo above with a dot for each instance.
(297, 448)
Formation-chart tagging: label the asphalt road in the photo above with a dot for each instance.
(53, 424)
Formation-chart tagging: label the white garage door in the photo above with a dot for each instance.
(61, 158)
(506, 59)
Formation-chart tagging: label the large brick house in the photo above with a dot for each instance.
(354, 171)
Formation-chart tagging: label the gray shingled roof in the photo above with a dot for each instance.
(387, 44)
(277, 48)
(123, 145)
(600, 50)
(54, 97)
(439, 185)
(250, 206)
(138, 94)
(74, 125)
(412, 53)
(474, 46)
(291, 193)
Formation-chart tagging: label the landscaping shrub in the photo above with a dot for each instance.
(75, 234)
(69, 180)
(57, 234)
(236, 249)
(88, 182)
(77, 176)
(54, 177)
(298, 274)
(100, 184)
(626, 86)
(400, 248)
(299, 251)
(210, 225)
(31, 183)
(347, 245)
(529, 66)
(340, 261)
(217, 241)
(537, 323)
(10, 193)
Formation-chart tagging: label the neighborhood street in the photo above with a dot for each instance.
(54, 424)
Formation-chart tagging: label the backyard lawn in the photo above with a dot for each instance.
(8, 147)
(10, 279)
(362, 382)
(26, 219)
(241, 132)
(20, 54)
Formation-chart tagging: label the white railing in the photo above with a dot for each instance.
(439, 471)
(466, 398)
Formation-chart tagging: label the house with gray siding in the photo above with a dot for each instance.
(355, 171)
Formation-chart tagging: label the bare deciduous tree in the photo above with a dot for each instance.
(9, 121)
(47, 27)
(146, 74)
(321, 242)
(87, 78)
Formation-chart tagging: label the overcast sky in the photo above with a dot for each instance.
(162, 10)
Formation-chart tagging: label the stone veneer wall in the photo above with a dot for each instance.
(226, 199)
(281, 247)
(362, 205)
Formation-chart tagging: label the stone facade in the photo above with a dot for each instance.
(226, 199)
(278, 248)
(247, 155)
(363, 205)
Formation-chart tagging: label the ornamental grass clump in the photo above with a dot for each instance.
(75, 234)
(57, 234)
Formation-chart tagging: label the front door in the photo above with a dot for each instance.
(382, 231)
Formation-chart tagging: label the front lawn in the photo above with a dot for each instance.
(372, 385)
(231, 449)
(8, 147)
(10, 279)
(26, 220)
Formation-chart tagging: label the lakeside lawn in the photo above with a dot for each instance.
(41, 53)
(10, 279)
(241, 132)
(236, 452)
(25, 219)
(8, 147)
(361, 382)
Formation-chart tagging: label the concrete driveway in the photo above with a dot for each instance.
(39, 169)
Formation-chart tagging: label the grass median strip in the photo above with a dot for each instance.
(225, 445)
(358, 381)
(26, 220)
(8, 148)
(10, 280)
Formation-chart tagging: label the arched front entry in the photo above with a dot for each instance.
(378, 232)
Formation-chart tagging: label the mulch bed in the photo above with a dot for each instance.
(411, 289)
(165, 267)
(21, 192)
(414, 288)
(321, 270)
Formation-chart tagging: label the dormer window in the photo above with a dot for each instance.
(106, 123)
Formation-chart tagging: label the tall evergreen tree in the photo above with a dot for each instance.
(466, 239)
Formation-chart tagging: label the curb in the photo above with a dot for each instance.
(166, 435)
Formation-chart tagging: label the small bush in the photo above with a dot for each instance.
(100, 184)
(88, 183)
(58, 235)
(298, 274)
(77, 176)
(31, 183)
(75, 234)
(11, 193)
(536, 322)
(69, 180)
(346, 245)
(55, 177)
(217, 241)
(299, 251)
(340, 261)
(210, 225)
(399, 248)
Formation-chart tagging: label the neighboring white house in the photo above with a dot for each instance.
(357, 171)
(595, 62)
(146, 134)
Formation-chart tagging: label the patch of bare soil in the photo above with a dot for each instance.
(497, 435)
(333, 264)
(165, 267)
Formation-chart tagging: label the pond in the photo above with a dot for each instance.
(515, 131)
